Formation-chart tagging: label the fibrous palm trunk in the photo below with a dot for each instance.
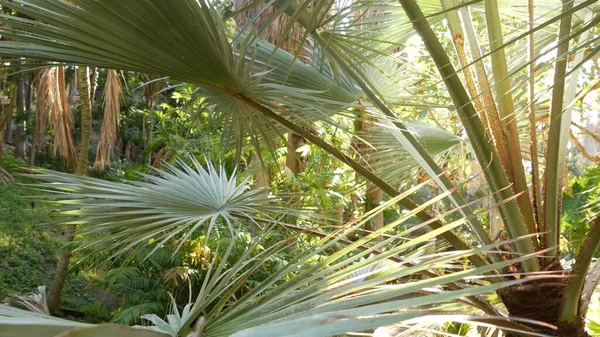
(86, 120)
(82, 163)
(373, 194)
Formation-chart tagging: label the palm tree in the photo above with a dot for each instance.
(82, 165)
(187, 41)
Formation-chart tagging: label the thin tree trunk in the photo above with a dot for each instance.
(293, 163)
(152, 89)
(261, 180)
(28, 102)
(86, 120)
(373, 194)
(5, 122)
(8, 137)
(62, 268)
(82, 163)
(292, 159)
(93, 75)
(19, 135)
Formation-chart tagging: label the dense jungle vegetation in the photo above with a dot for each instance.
(202, 168)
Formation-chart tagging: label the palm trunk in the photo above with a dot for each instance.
(86, 120)
(19, 134)
(82, 163)
(261, 180)
(292, 160)
(28, 101)
(8, 136)
(373, 194)
(293, 163)
(61, 271)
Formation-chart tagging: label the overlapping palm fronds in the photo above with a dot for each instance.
(111, 120)
(356, 288)
(394, 161)
(259, 84)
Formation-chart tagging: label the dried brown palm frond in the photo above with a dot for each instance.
(110, 123)
(45, 85)
(54, 108)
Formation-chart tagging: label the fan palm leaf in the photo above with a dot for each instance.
(170, 203)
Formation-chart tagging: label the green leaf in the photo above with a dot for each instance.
(171, 203)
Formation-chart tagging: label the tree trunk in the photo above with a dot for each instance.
(373, 194)
(86, 125)
(61, 271)
(19, 135)
(295, 165)
(6, 119)
(8, 137)
(261, 179)
(86, 120)
(373, 198)
(292, 159)
(277, 33)
(541, 301)
(28, 102)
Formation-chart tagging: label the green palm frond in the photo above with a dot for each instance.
(392, 161)
(132, 314)
(329, 296)
(123, 272)
(223, 75)
(192, 49)
(175, 321)
(171, 203)
(325, 298)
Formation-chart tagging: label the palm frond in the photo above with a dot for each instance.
(53, 107)
(35, 301)
(174, 322)
(17, 322)
(171, 203)
(111, 121)
(388, 150)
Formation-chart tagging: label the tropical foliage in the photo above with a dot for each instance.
(474, 238)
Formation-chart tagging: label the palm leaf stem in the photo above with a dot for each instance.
(515, 170)
(557, 138)
(458, 39)
(487, 157)
(401, 132)
(533, 145)
(572, 293)
(360, 169)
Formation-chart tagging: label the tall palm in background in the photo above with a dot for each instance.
(82, 165)
(348, 69)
